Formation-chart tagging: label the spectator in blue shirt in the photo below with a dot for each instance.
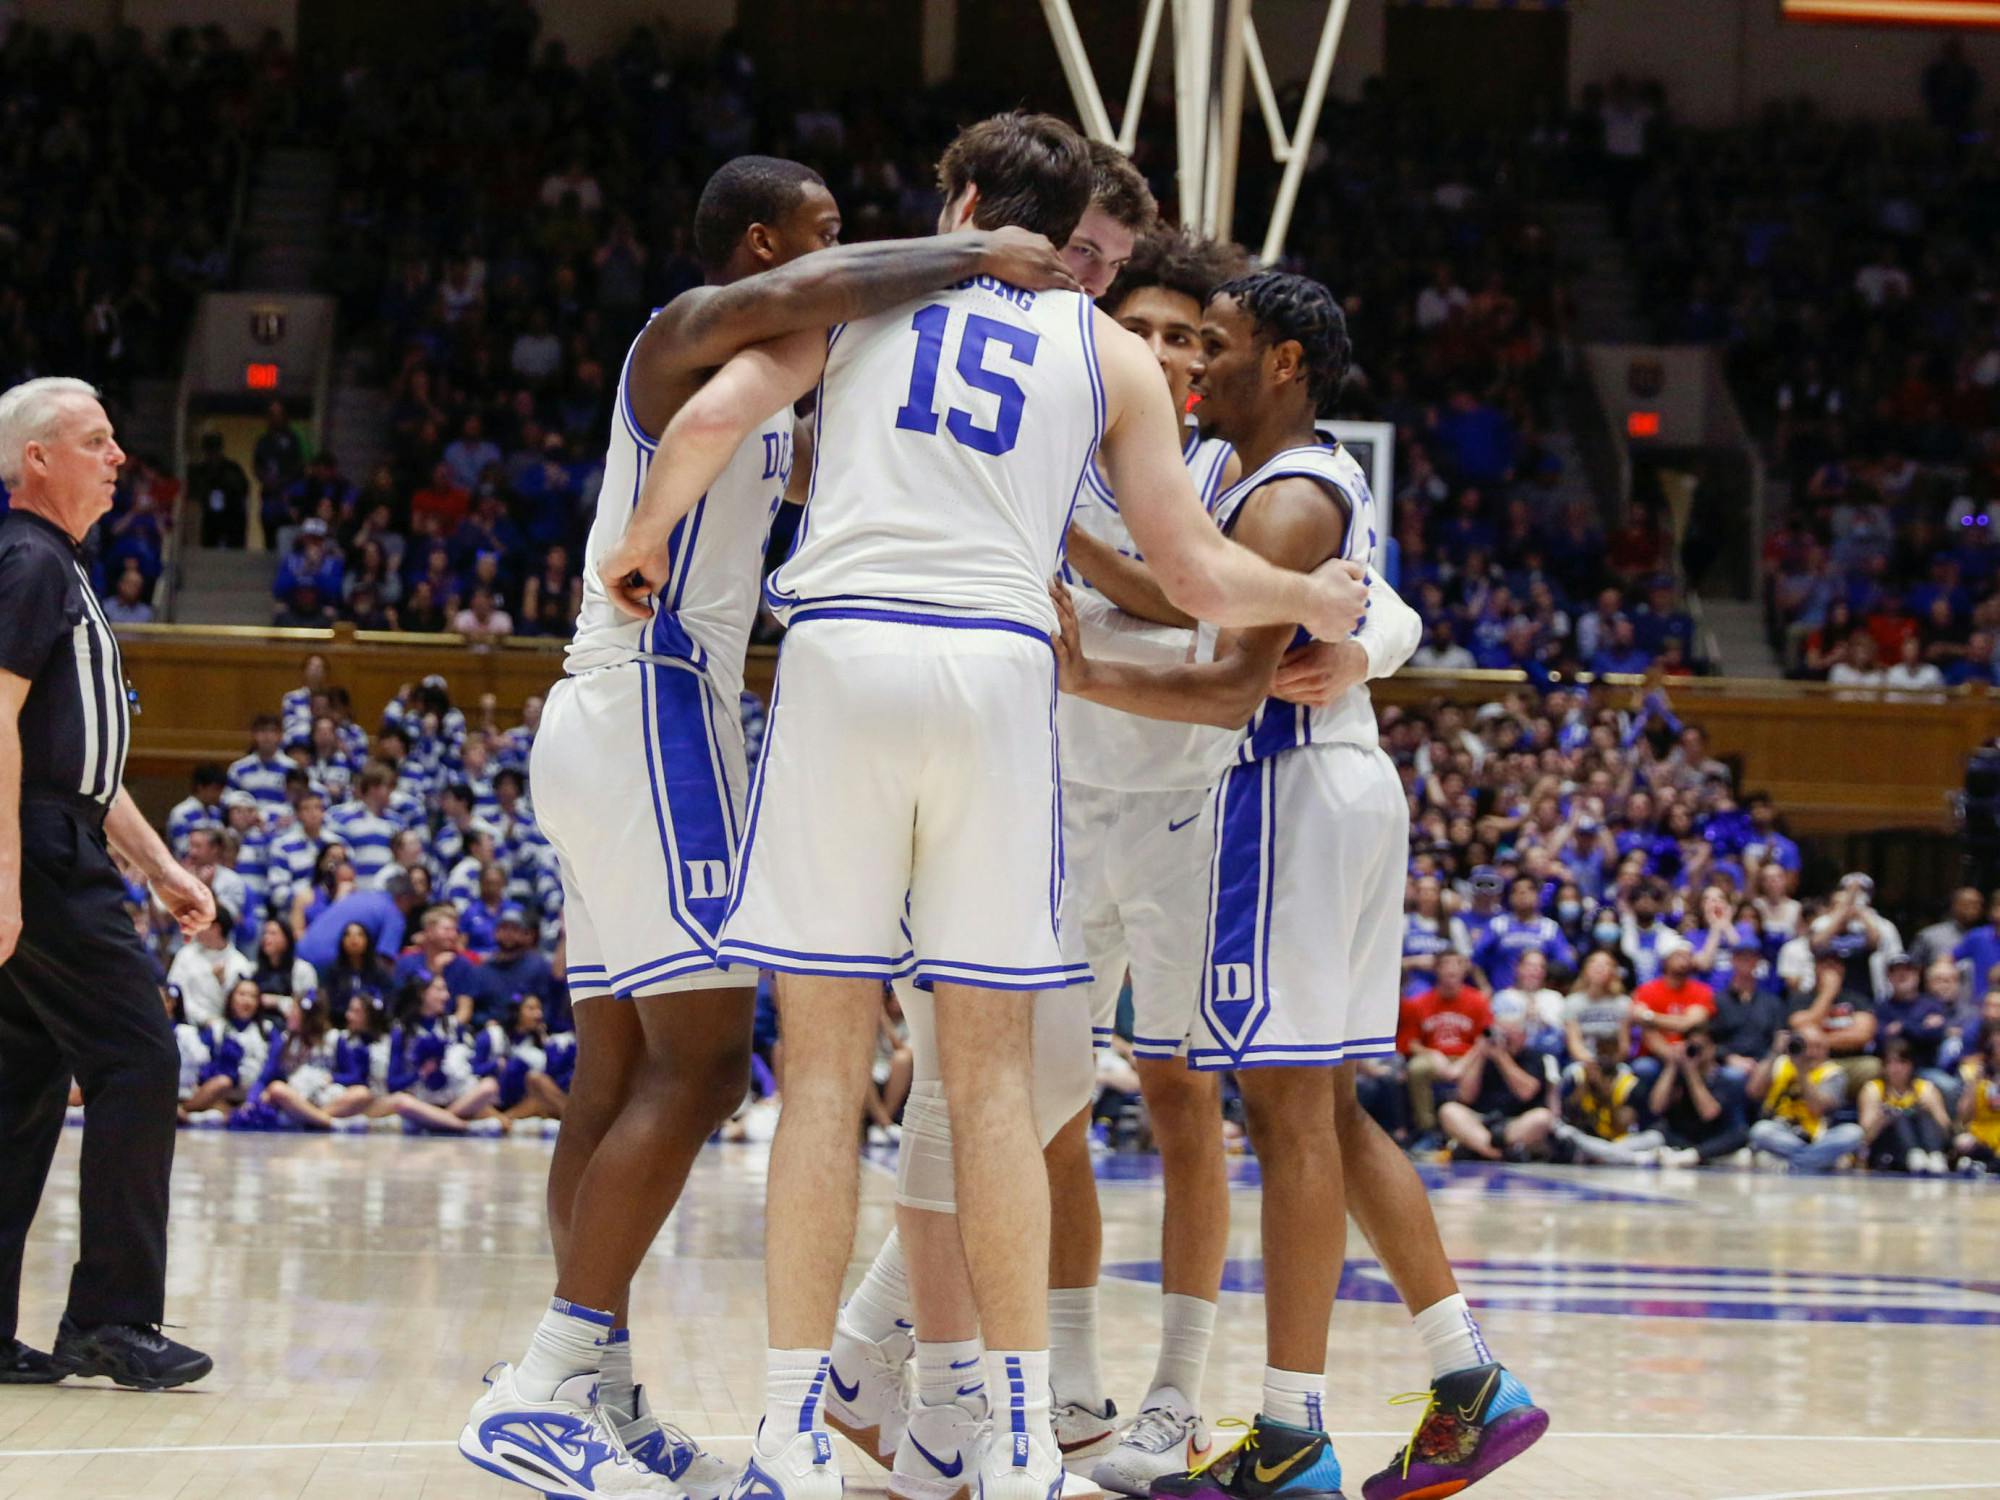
(1623, 652)
(469, 456)
(311, 563)
(517, 969)
(1908, 1014)
(383, 913)
(1979, 951)
(1518, 930)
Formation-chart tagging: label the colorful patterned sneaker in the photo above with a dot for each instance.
(1473, 1422)
(1271, 1459)
(1166, 1439)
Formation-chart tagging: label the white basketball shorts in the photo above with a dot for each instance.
(639, 781)
(909, 770)
(1136, 897)
(1305, 900)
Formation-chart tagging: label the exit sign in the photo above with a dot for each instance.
(260, 377)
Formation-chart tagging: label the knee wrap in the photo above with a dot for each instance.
(923, 1166)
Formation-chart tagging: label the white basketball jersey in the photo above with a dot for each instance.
(952, 440)
(702, 617)
(1106, 747)
(1350, 718)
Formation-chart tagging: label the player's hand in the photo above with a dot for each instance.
(1342, 599)
(187, 900)
(1022, 258)
(1072, 667)
(1317, 674)
(633, 574)
(10, 919)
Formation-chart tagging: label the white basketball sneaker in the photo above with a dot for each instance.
(801, 1469)
(567, 1445)
(666, 1450)
(1082, 1433)
(1166, 1438)
(938, 1456)
(867, 1396)
(1018, 1466)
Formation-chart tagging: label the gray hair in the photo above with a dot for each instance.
(29, 413)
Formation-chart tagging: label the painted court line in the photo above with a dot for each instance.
(1399, 1432)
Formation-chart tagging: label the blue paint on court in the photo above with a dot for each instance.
(1639, 1290)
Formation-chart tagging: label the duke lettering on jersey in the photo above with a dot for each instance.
(709, 602)
(948, 458)
(707, 879)
(1232, 982)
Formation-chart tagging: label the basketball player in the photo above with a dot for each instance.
(640, 778)
(868, 1398)
(1309, 848)
(1159, 297)
(910, 765)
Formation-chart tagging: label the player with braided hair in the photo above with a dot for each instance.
(1309, 844)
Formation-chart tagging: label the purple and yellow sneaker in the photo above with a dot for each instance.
(1271, 1461)
(1474, 1421)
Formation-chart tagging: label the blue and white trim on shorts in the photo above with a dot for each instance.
(1289, 1054)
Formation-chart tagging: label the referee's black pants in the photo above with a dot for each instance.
(78, 999)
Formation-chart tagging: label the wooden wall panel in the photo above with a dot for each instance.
(1834, 762)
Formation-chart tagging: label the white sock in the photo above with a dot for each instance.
(952, 1371)
(1187, 1325)
(614, 1382)
(1073, 1363)
(793, 1381)
(1017, 1383)
(1295, 1398)
(881, 1304)
(1451, 1337)
(570, 1340)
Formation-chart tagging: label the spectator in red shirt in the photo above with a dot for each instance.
(1667, 1009)
(443, 499)
(1436, 1032)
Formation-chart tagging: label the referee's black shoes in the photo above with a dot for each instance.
(134, 1354)
(20, 1365)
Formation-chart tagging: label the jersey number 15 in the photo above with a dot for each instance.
(919, 412)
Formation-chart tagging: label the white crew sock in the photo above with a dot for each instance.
(1451, 1337)
(881, 1304)
(1187, 1326)
(1295, 1398)
(793, 1381)
(1073, 1365)
(1017, 1384)
(614, 1381)
(954, 1371)
(570, 1340)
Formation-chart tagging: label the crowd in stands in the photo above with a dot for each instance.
(1846, 270)
(506, 218)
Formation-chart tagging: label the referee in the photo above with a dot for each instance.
(77, 992)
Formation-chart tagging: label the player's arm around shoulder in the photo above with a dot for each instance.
(710, 426)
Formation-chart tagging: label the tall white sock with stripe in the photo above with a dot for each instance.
(1187, 1327)
(1451, 1337)
(570, 1340)
(794, 1380)
(1017, 1384)
(1295, 1398)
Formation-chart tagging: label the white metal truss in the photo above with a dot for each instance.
(1208, 102)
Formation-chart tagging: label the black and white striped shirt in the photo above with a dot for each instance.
(76, 725)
